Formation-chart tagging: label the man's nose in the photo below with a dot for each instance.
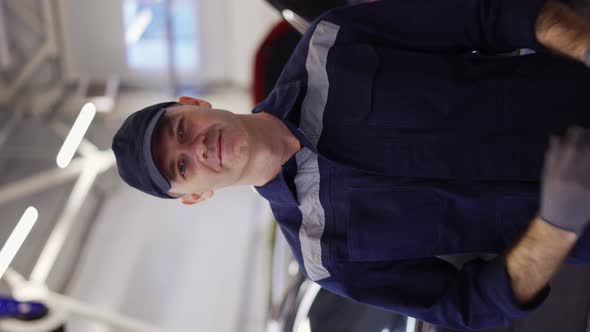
(197, 148)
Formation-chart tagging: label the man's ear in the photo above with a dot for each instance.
(184, 100)
(190, 199)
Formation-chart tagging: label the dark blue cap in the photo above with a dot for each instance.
(132, 146)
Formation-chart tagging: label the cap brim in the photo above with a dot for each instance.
(161, 182)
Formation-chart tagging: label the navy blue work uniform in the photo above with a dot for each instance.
(415, 147)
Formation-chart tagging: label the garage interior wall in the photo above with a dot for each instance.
(229, 32)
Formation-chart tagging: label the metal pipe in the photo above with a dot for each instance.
(26, 16)
(65, 222)
(30, 68)
(170, 45)
(92, 167)
(50, 28)
(75, 307)
(15, 117)
(60, 306)
(309, 295)
(48, 49)
(5, 57)
(39, 182)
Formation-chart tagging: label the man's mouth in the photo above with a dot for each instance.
(219, 147)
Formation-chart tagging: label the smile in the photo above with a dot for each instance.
(219, 147)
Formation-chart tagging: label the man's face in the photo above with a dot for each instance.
(200, 149)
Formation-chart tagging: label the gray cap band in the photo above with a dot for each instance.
(154, 173)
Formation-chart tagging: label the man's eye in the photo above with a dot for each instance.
(181, 167)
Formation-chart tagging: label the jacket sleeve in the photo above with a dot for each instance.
(478, 296)
(488, 26)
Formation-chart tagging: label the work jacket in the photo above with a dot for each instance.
(415, 146)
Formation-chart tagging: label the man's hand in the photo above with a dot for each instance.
(565, 213)
(560, 29)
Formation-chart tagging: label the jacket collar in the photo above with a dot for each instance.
(281, 100)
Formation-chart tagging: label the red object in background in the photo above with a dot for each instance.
(275, 50)
(271, 57)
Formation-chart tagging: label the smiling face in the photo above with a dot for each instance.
(200, 149)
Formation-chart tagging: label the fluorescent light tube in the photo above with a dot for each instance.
(68, 149)
(17, 237)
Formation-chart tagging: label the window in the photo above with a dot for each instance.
(146, 36)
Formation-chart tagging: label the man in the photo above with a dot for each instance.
(388, 142)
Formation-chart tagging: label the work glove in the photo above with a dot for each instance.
(565, 197)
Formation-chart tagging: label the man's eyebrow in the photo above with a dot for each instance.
(169, 126)
(171, 169)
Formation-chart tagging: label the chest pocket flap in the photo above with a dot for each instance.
(351, 71)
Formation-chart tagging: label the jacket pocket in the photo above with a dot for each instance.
(367, 87)
(393, 223)
(351, 71)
